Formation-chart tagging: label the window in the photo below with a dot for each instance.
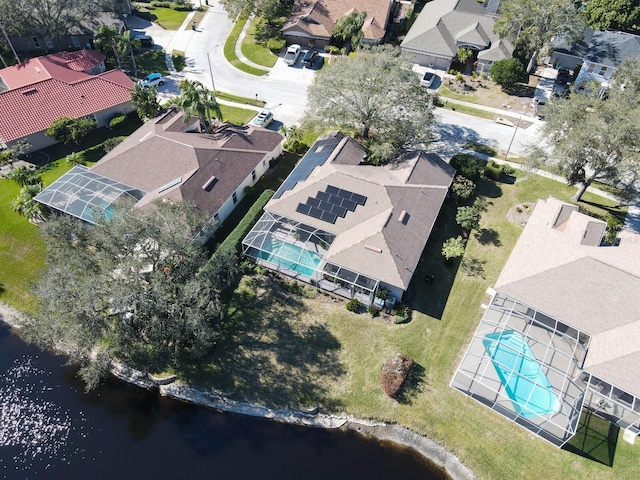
(603, 70)
(48, 42)
(216, 218)
(253, 175)
(590, 67)
(264, 162)
(36, 42)
(75, 41)
(235, 198)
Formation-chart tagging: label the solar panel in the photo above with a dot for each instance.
(359, 199)
(325, 206)
(315, 213)
(349, 205)
(329, 217)
(332, 190)
(323, 196)
(338, 210)
(314, 202)
(302, 208)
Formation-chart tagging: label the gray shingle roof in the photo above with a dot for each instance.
(403, 201)
(605, 48)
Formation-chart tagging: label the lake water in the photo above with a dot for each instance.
(51, 429)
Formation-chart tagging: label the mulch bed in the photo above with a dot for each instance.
(520, 213)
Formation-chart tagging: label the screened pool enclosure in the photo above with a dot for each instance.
(299, 250)
(86, 195)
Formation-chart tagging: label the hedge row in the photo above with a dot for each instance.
(234, 240)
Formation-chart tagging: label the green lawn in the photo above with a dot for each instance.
(166, 17)
(254, 51)
(283, 350)
(237, 115)
(230, 53)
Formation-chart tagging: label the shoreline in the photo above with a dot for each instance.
(394, 433)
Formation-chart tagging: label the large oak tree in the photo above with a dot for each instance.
(376, 93)
(132, 288)
(536, 22)
(596, 137)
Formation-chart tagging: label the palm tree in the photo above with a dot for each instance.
(24, 176)
(145, 101)
(126, 43)
(196, 99)
(108, 37)
(25, 205)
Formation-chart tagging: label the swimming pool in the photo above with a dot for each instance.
(289, 256)
(526, 385)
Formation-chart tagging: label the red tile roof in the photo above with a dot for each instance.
(79, 61)
(62, 93)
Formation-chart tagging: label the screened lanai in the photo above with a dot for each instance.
(285, 245)
(85, 194)
(526, 366)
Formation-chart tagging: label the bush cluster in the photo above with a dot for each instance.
(466, 165)
(117, 120)
(373, 311)
(276, 44)
(494, 170)
(353, 305)
(394, 372)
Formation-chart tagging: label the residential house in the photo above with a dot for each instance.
(79, 36)
(560, 332)
(444, 26)
(41, 90)
(312, 21)
(598, 55)
(348, 227)
(168, 159)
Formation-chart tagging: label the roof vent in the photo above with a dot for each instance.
(29, 91)
(172, 183)
(404, 217)
(209, 183)
(373, 249)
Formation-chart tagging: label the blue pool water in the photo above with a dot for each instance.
(291, 257)
(524, 381)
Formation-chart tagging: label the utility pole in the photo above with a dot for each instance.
(514, 132)
(213, 85)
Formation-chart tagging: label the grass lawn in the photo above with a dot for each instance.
(166, 17)
(237, 115)
(151, 61)
(239, 99)
(255, 51)
(283, 349)
(230, 53)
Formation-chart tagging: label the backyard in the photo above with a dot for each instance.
(285, 345)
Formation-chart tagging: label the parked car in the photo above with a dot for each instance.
(152, 79)
(427, 79)
(310, 58)
(263, 119)
(291, 56)
(145, 41)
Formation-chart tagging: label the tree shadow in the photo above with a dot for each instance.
(271, 351)
(488, 188)
(472, 267)
(595, 439)
(488, 236)
(430, 296)
(614, 211)
(520, 90)
(413, 385)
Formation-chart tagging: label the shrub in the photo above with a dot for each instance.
(382, 294)
(333, 50)
(353, 305)
(373, 311)
(613, 226)
(161, 4)
(468, 217)
(75, 158)
(493, 171)
(275, 45)
(466, 165)
(294, 146)
(508, 170)
(453, 248)
(507, 72)
(111, 143)
(117, 120)
(462, 188)
(394, 372)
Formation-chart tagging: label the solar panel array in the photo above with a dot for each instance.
(315, 157)
(334, 202)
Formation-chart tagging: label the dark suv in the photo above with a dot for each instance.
(310, 58)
